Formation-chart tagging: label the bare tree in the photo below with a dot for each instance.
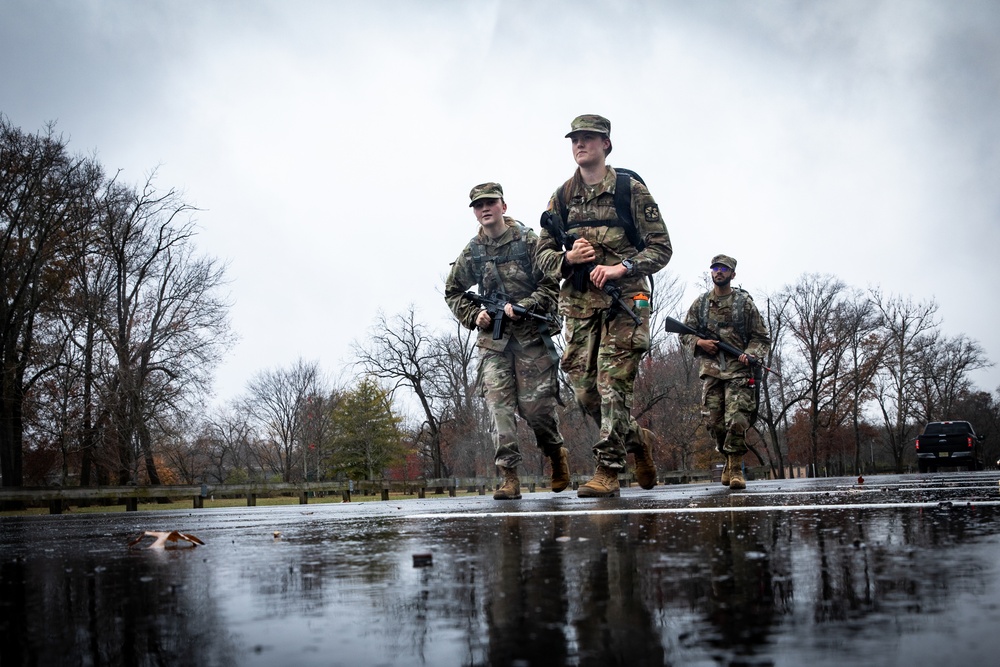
(227, 435)
(182, 457)
(668, 401)
(52, 417)
(276, 403)
(44, 197)
(403, 353)
(317, 437)
(864, 357)
(947, 363)
(91, 293)
(466, 426)
(166, 322)
(665, 299)
(780, 394)
(908, 327)
(455, 380)
(650, 391)
(816, 332)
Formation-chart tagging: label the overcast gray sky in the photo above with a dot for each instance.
(332, 145)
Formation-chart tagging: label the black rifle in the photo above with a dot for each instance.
(678, 327)
(494, 302)
(581, 272)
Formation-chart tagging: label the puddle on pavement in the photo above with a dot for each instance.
(838, 586)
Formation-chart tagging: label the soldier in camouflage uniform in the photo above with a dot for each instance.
(517, 373)
(603, 344)
(730, 386)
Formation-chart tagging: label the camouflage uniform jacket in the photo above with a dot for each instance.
(720, 322)
(611, 244)
(502, 272)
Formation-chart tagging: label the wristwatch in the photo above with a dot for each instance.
(629, 266)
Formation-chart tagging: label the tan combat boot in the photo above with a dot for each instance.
(725, 472)
(560, 470)
(604, 484)
(511, 487)
(736, 481)
(645, 469)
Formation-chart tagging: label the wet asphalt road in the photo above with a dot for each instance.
(902, 570)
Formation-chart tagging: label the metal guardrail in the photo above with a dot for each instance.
(58, 497)
(130, 496)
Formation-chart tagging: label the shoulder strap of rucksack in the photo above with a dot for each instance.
(623, 206)
(562, 204)
(478, 260)
(520, 250)
(703, 312)
(739, 314)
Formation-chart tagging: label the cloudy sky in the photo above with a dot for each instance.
(331, 145)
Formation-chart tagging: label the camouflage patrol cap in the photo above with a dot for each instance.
(724, 260)
(485, 191)
(591, 123)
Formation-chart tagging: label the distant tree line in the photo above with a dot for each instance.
(860, 373)
(110, 322)
(113, 323)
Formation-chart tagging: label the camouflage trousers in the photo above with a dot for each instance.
(521, 379)
(602, 360)
(726, 408)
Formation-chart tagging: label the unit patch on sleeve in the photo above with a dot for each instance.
(652, 213)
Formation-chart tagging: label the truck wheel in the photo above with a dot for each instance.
(921, 466)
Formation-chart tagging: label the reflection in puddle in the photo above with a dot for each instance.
(744, 585)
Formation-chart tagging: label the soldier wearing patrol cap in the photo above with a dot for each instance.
(517, 373)
(592, 123)
(603, 344)
(729, 386)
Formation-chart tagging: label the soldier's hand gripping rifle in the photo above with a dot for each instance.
(581, 272)
(677, 327)
(494, 303)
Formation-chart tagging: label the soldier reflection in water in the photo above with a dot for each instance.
(613, 622)
(572, 594)
(589, 590)
(741, 604)
(526, 615)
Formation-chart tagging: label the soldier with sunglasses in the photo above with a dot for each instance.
(730, 385)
